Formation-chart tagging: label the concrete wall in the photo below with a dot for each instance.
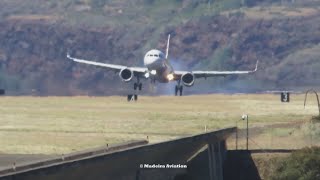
(209, 163)
(125, 163)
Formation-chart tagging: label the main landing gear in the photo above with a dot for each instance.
(137, 85)
(178, 89)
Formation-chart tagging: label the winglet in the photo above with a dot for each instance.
(168, 44)
(257, 63)
(68, 56)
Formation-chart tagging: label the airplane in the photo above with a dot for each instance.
(158, 68)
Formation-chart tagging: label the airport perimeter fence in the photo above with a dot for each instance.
(293, 135)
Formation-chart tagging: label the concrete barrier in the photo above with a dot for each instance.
(123, 162)
(69, 157)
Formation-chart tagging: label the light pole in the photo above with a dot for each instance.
(246, 117)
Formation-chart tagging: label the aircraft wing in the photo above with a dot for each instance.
(138, 71)
(205, 74)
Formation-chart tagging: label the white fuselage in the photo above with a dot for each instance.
(158, 66)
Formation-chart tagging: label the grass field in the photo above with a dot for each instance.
(53, 125)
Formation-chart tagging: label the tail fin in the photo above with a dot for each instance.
(168, 44)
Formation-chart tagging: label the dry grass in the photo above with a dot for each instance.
(63, 124)
(29, 17)
(271, 12)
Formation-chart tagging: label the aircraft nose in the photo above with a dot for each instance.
(150, 61)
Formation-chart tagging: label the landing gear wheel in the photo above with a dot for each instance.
(176, 90)
(135, 85)
(140, 86)
(180, 90)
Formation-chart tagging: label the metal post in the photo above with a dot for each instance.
(246, 117)
(237, 135)
(247, 132)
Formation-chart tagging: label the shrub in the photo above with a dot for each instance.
(98, 3)
(301, 165)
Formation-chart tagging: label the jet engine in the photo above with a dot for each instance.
(126, 75)
(188, 79)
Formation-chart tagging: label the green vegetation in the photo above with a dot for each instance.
(303, 165)
(219, 61)
(9, 82)
(210, 35)
(308, 61)
(267, 163)
(121, 12)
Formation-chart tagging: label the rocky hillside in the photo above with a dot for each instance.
(205, 35)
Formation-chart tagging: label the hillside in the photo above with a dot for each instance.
(205, 35)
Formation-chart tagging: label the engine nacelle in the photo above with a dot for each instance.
(188, 79)
(126, 74)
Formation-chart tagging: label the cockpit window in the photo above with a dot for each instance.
(155, 55)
